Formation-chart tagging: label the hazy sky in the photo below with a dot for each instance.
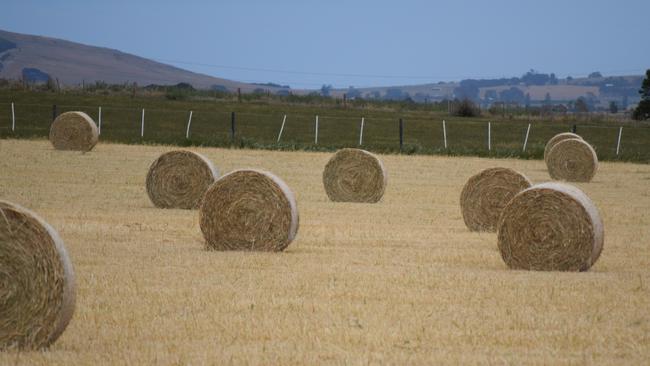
(360, 43)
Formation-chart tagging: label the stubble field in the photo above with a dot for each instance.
(398, 282)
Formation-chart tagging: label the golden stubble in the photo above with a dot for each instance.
(402, 281)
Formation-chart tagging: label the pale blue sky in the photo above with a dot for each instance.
(360, 43)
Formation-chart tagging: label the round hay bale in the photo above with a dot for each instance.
(551, 227)
(179, 178)
(74, 131)
(37, 283)
(557, 138)
(354, 175)
(486, 194)
(573, 160)
(249, 210)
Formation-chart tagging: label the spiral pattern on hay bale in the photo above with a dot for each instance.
(557, 138)
(551, 227)
(251, 210)
(178, 179)
(486, 194)
(572, 160)
(37, 283)
(74, 131)
(354, 175)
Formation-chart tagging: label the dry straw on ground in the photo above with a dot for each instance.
(572, 160)
(37, 284)
(356, 286)
(249, 210)
(74, 131)
(557, 138)
(487, 193)
(178, 179)
(551, 227)
(354, 175)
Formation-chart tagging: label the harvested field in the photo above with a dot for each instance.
(402, 281)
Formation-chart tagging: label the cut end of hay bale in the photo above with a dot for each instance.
(557, 138)
(178, 179)
(249, 210)
(487, 193)
(74, 131)
(36, 278)
(354, 175)
(551, 227)
(572, 160)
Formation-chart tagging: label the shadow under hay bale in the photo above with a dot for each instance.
(178, 179)
(572, 160)
(551, 227)
(249, 210)
(486, 194)
(37, 281)
(354, 175)
(74, 131)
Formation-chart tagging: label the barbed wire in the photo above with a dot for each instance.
(302, 116)
(362, 75)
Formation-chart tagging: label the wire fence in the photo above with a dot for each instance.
(410, 134)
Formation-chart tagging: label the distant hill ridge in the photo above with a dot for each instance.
(532, 88)
(34, 58)
(37, 59)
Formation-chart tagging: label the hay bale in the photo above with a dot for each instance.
(37, 283)
(249, 210)
(486, 194)
(178, 179)
(573, 160)
(74, 131)
(551, 227)
(557, 138)
(354, 175)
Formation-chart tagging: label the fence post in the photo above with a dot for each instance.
(232, 126)
(284, 119)
(526, 138)
(618, 144)
(13, 117)
(189, 123)
(316, 132)
(489, 136)
(99, 120)
(54, 114)
(142, 124)
(444, 132)
(361, 132)
(401, 134)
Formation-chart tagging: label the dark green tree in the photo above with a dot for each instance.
(394, 94)
(325, 90)
(595, 74)
(513, 94)
(50, 85)
(581, 105)
(466, 108)
(642, 111)
(613, 107)
(353, 93)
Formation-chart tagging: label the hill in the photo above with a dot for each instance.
(39, 59)
(532, 88)
(35, 59)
